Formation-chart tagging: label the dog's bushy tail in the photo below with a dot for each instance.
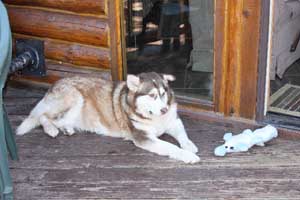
(27, 125)
(32, 120)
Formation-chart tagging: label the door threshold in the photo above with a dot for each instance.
(284, 121)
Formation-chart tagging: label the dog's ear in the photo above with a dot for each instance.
(168, 77)
(133, 82)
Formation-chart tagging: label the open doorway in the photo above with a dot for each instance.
(284, 67)
(173, 37)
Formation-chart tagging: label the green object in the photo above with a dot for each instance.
(7, 141)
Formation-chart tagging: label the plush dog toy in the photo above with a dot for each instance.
(244, 141)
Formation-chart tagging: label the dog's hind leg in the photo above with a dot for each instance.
(71, 118)
(48, 126)
(48, 109)
(33, 120)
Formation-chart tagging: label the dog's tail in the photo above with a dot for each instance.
(32, 120)
(27, 125)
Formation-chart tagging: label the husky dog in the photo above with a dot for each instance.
(140, 109)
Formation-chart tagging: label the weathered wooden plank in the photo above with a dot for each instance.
(94, 175)
(22, 107)
(69, 27)
(210, 190)
(111, 153)
(74, 53)
(115, 159)
(104, 144)
(15, 93)
(201, 136)
(20, 101)
(96, 7)
(95, 145)
(87, 168)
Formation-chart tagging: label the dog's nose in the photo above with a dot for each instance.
(164, 110)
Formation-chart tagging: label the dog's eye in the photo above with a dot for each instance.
(226, 147)
(153, 96)
(231, 148)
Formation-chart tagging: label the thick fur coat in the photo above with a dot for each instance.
(140, 109)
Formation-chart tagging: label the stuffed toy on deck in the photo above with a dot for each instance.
(244, 141)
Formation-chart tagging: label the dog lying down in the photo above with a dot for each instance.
(140, 109)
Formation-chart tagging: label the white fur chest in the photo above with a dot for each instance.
(164, 122)
(157, 126)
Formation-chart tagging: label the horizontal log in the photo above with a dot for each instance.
(77, 54)
(44, 81)
(56, 71)
(95, 7)
(69, 27)
(67, 70)
(74, 53)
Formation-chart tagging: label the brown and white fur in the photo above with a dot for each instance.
(140, 109)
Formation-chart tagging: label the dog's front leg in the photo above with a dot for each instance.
(177, 131)
(164, 148)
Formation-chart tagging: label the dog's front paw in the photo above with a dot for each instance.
(189, 146)
(51, 131)
(187, 157)
(69, 131)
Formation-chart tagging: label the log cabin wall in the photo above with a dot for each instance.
(85, 37)
(79, 36)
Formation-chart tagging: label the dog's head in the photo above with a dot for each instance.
(152, 93)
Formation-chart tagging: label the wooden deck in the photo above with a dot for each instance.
(88, 166)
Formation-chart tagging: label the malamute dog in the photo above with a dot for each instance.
(140, 109)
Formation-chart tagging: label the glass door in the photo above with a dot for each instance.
(173, 37)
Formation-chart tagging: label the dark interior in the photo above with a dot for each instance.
(292, 77)
(164, 42)
(284, 68)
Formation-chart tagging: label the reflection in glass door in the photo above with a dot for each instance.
(173, 37)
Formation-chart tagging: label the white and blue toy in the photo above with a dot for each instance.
(244, 141)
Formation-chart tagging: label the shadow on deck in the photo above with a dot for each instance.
(88, 166)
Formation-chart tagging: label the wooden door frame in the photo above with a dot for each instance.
(263, 57)
(116, 32)
(220, 51)
(262, 115)
(237, 54)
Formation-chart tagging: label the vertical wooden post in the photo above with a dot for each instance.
(114, 14)
(238, 63)
(263, 56)
(220, 54)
